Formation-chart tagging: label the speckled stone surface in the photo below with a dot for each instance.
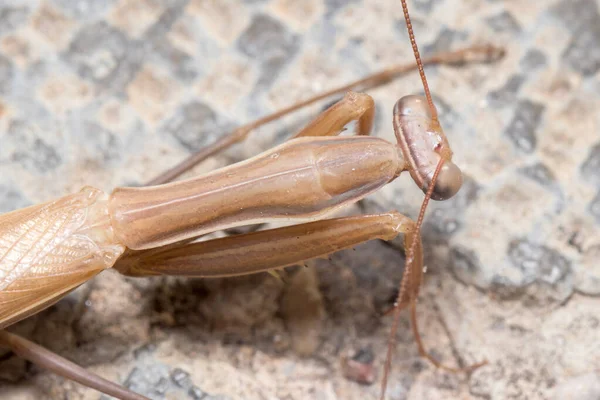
(110, 93)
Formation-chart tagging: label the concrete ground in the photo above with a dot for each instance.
(111, 93)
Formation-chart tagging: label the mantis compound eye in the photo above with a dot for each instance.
(448, 183)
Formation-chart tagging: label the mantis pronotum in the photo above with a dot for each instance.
(147, 231)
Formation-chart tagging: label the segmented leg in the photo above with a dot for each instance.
(409, 293)
(265, 250)
(327, 126)
(61, 366)
(472, 54)
(353, 107)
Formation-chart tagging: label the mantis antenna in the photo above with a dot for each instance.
(415, 49)
(409, 287)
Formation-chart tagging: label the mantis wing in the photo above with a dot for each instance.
(47, 250)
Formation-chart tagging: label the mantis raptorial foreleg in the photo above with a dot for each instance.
(472, 54)
(302, 178)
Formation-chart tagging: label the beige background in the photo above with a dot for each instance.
(111, 93)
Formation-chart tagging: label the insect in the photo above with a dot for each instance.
(146, 231)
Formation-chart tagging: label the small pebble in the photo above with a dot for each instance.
(360, 368)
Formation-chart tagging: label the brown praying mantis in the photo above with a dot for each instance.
(48, 250)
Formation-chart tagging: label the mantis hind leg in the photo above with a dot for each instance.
(61, 366)
(470, 54)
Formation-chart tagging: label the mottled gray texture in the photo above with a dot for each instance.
(103, 55)
(271, 43)
(194, 124)
(575, 13)
(541, 174)
(85, 9)
(522, 128)
(534, 58)
(335, 5)
(583, 53)
(507, 94)
(6, 73)
(10, 198)
(157, 381)
(101, 142)
(179, 62)
(538, 263)
(448, 218)
(583, 18)
(12, 17)
(590, 168)
(444, 40)
(595, 207)
(31, 150)
(111, 93)
(504, 22)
